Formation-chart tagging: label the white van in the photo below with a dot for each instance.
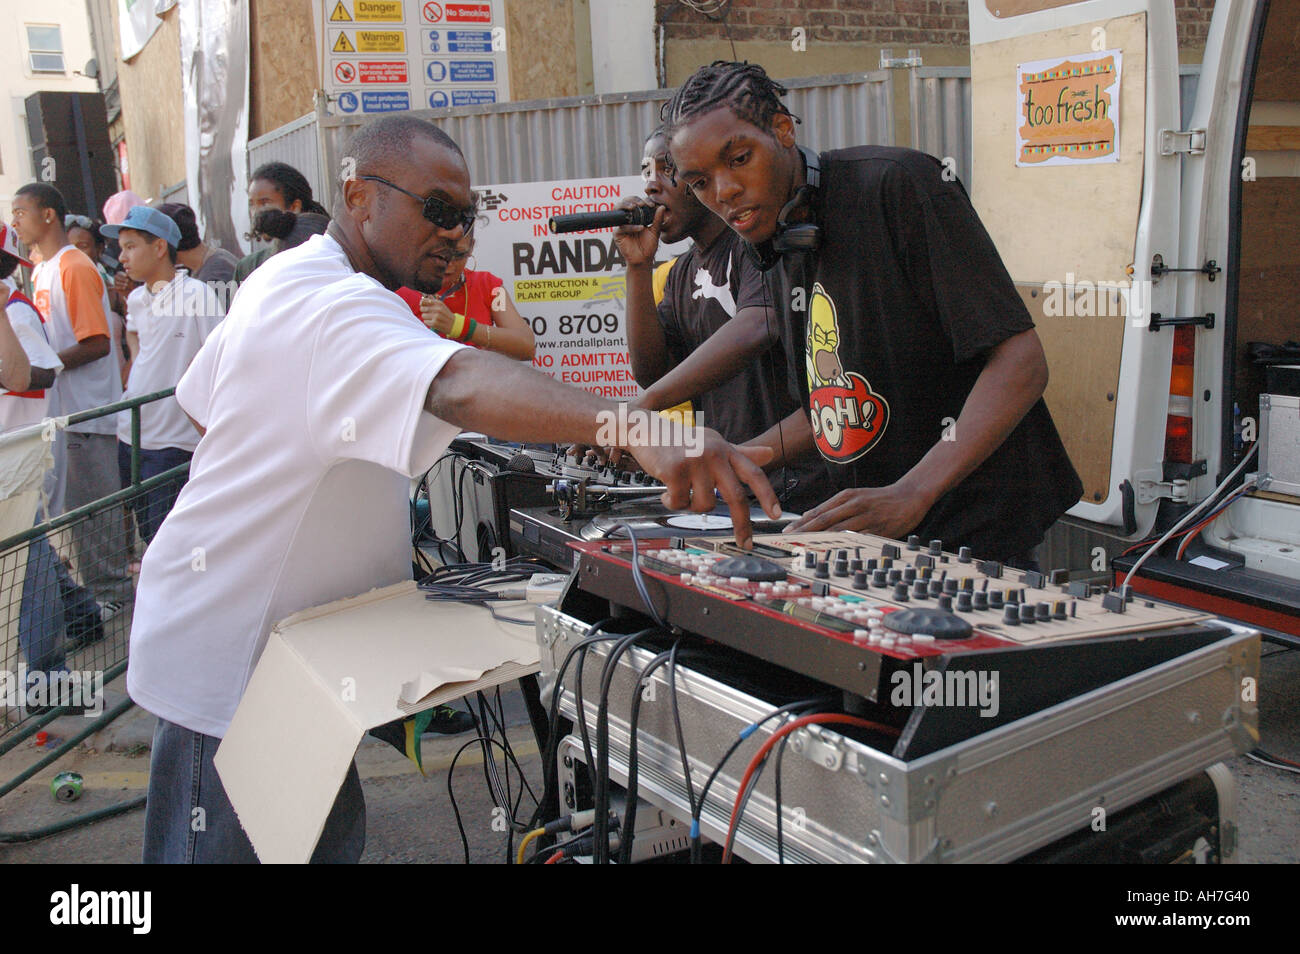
(1151, 253)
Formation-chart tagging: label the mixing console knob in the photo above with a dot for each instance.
(1043, 612)
(1011, 617)
(945, 603)
(913, 542)
(995, 600)
(963, 602)
(950, 586)
(920, 590)
(964, 555)
(979, 597)
(936, 586)
(859, 580)
(1027, 614)
(855, 566)
(841, 566)
(968, 583)
(1013, 596)
(936, 548)
(872, 564)
(909, 574)
(900, 592)
(886, 563)
(879, 578)
(1059, 610)
(809, 560)
(823, 571)
(895, 576)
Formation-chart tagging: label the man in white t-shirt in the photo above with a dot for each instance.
(167, 320)
(318, 397)
(28, 366)
(74, 301)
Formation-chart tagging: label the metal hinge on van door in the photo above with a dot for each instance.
(1149, 491)
(1174, 141)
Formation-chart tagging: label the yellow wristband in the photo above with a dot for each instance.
(457, 331)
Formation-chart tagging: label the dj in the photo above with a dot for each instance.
(714, 336)
(922, 371)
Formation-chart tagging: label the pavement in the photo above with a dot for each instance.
(410, 818)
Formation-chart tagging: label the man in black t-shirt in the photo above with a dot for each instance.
(714, 338)
(922, 373)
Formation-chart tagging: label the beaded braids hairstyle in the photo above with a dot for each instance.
(744, 87)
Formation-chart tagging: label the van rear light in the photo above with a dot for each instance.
(1178, 423)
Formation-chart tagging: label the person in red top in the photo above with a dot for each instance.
(473, 307)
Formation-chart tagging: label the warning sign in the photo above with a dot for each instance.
(379, 11)
(469, 13)
(381, 54)
(384, 71)
(381, 41)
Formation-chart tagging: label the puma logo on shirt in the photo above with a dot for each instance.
(704, 288)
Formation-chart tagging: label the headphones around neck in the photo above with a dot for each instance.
(796, 236)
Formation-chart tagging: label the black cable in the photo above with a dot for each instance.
(639, 579)
(550, 771)
(677, 726)
(633, 768)
(600, 851)
(745, 796)
(451, 794)
(717, 769)
(780, 830)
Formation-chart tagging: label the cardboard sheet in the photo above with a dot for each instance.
(328, 675)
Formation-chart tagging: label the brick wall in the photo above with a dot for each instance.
(872, 22)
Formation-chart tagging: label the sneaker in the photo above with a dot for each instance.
(108, 610)
(449, 721)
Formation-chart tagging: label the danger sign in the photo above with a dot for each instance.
(345, 72)
(384, 71)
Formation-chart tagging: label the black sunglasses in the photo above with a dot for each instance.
(440, 213)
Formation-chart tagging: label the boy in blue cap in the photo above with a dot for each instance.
(167, 320)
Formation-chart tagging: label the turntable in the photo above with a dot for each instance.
(543, 532)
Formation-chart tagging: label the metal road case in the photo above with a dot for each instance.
(996, 796)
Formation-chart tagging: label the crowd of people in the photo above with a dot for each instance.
(114, 309)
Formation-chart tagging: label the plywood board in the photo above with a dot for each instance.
(1083, 378)
(1054, 220)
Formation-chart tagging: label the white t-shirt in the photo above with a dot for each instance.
(311, 392)
(19, 410)
(172, 325)
(72, 297)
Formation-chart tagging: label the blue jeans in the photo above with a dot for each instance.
(182, 779)
(153, 505)
(50, 599)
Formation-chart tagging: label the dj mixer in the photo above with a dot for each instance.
(852, 609)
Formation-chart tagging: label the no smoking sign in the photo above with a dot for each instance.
(345, 72)
(433, 12)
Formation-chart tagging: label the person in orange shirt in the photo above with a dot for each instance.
(71, 294)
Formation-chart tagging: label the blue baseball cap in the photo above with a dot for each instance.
(144, 219)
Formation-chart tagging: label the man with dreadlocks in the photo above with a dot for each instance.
(922, 373)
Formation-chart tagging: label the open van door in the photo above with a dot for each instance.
(1076, 174)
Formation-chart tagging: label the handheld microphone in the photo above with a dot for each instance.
(583, 221)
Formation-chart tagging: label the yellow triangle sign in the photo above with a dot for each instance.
(341, 45)
(340, 13)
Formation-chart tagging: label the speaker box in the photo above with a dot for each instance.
(72, 129)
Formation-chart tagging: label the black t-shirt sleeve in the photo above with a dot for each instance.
(945, 248)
